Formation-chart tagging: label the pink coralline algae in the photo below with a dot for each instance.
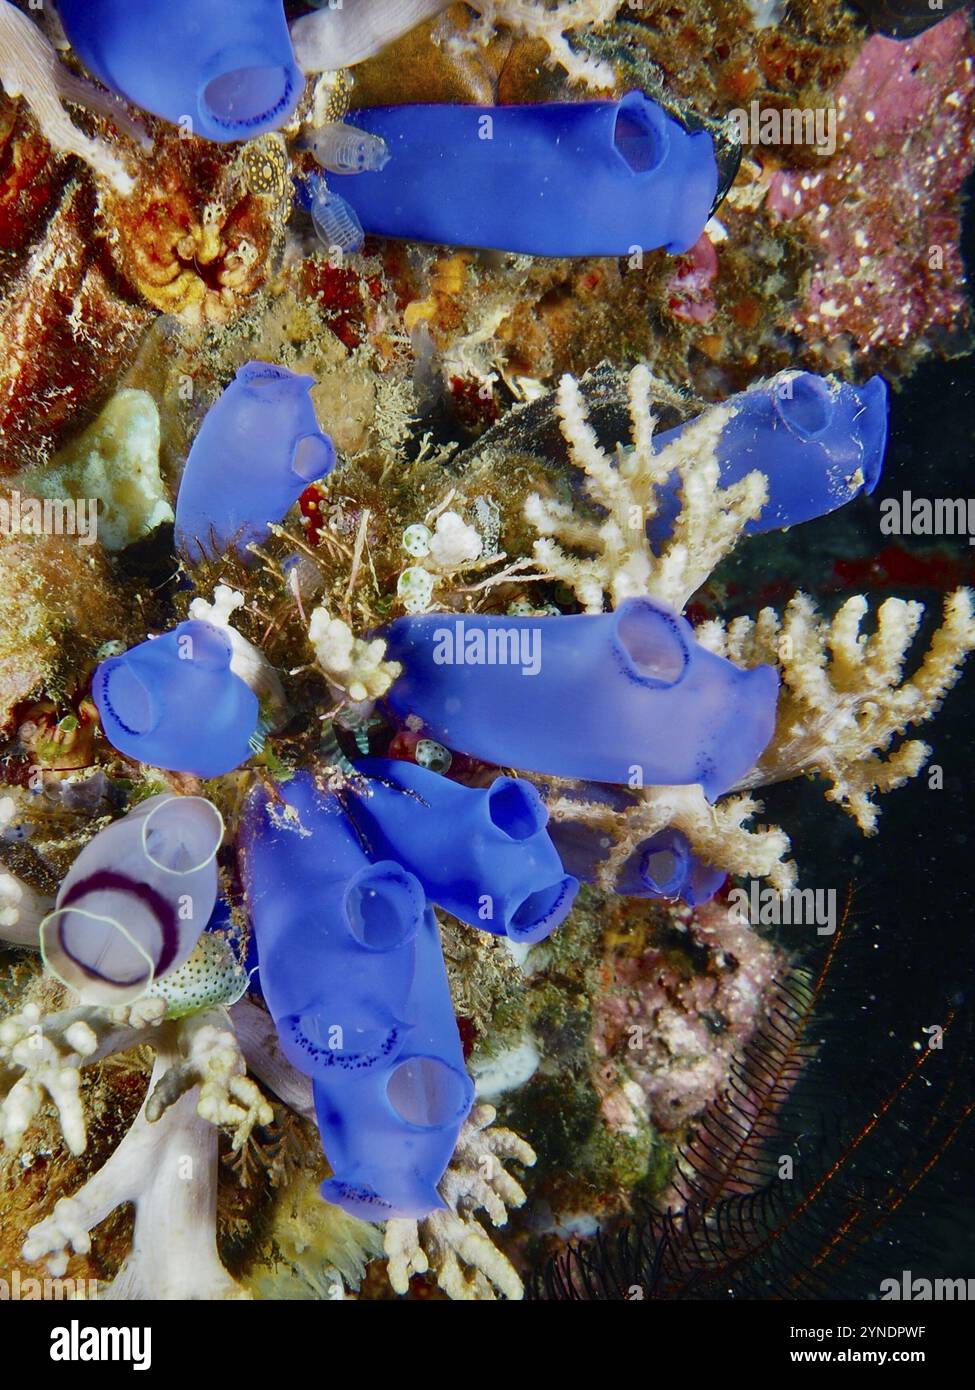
(883, 214)
(667, 1033)
(691, 297)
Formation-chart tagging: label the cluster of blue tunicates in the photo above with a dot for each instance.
(352, 970)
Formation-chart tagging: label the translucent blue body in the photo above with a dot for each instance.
(389, 1134)
(665, 866)
(257, 450)
(352, 969)
(227, 65)
(819, 442)
(592, 178)
(174, 702)
(483, 854)
(628, 697)
(334, 932)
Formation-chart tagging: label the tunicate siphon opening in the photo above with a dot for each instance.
(426, 1092)
(639, 137)
(515, 808)
(651, 641)
(384, 905)
(804, 404)
(313, 457)
(542, 911)
(247, 96)
(182, 834)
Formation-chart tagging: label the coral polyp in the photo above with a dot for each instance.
(452, 651)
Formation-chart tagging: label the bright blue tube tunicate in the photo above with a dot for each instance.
(227, 65)
(334, 931)
(390, 1133)
(352, 970)
(592, 178)
(483, 854)
(628, 697)
(819, 442)
(665, 866)
(257, 450)
(174, 702)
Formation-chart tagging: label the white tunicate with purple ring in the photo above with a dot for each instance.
(136, 899)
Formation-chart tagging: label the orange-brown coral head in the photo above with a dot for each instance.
(196, 236)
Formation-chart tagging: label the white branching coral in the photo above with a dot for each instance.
(248, 662)
(448, 1240)
(843, 701)
(618, 559)
(167, 1167)
(552, 23)
(354, 667)
(338, 36)
(21, 907)
(41, 1057)
(30, 68)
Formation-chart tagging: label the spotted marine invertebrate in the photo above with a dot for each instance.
(142, 698)
(481, 854)
(260, 445)
(608, 697)
(29, 67)
(648, 181)
(225, 70)
(819, 443)
(135, 900)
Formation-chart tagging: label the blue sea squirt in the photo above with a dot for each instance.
(594, 178)
(174, 702)
(257, 450)
(224, 69)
